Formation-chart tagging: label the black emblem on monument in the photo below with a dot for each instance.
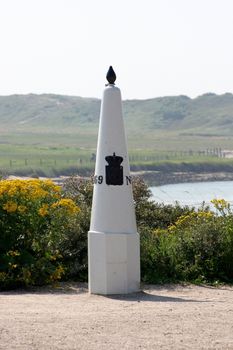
(114, 170)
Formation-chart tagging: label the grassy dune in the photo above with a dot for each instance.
(54, 134)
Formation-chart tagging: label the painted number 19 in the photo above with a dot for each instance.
(98, 179)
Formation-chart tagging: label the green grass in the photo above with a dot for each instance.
(54, 134)
(48, 160)
(24, 159)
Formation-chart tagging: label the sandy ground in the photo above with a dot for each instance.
(167, 317)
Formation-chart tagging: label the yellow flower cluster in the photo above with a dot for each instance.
(67, 204)
(57, 274)
(10, 207)
(43, 211)
(22, 209)
(12, 266)
(55, 256)
(220, 202)
(13, 253)
(184, 220)
(21, 195)
(221, 205)
(28, 188)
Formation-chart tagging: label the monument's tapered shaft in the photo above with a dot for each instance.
(113, 241)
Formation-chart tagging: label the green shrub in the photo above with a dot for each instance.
(74, 244)
(156, 264)
(33, 221)
(43, 235)
(149, 216)
(198, 247)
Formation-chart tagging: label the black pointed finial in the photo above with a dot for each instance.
(111, 76)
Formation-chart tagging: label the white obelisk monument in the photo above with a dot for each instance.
(113, 241)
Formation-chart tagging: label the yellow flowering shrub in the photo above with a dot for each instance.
(222, 206)
(192, 218)
(34, 217)
(67, 205)
(43, 210)
(10, 207)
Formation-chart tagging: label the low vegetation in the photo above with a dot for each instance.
(34, 219)
(50, 135)
(43, 235)
(43, 228)
(53, 161)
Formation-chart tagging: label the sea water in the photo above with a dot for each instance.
(193, 194)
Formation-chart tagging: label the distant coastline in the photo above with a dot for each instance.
(158, 178)
(152, 178)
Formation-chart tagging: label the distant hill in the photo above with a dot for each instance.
(209, 115)
(51, 111)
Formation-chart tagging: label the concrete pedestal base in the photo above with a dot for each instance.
(113, 262)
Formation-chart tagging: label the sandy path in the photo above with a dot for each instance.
(168, 317)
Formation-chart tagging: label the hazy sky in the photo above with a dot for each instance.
(157, 47)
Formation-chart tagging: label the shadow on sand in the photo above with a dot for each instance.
(148, 297)
(149, 293)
